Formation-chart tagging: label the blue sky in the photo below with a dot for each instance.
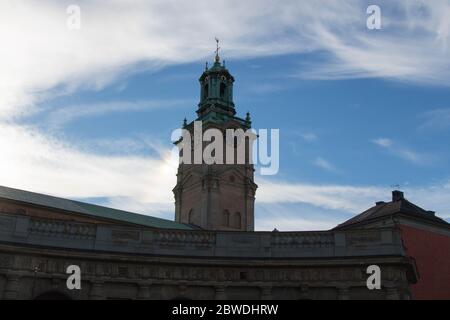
(88, 114)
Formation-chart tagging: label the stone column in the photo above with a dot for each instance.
(183, 290)
(11, 287)
(220, 293)
(266, 293)
(144, 291)
(304, 292)
(96, 292)
(56, 283)
(343, 293)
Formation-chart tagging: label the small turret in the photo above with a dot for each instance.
(216, 88)
(248, 119)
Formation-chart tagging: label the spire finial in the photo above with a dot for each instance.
(185, 123)
(217, 50)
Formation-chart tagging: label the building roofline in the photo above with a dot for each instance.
(399, 206)
(85, 209)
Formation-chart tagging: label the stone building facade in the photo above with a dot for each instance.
(124, 262)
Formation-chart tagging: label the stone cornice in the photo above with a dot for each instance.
(23, 230)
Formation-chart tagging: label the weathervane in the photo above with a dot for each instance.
(217, 50)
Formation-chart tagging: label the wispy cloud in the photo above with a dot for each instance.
(143, 183)
(49, 165)
(336, 197)
(325, 164)
(309, 137)
(61, 116)
(296, 217)
(403, 152)
(41, 58)
(336, 201)
(393, 53)
(435, 120)
(297, 136)
(383, 142)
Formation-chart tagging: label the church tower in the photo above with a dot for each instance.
(217, 196)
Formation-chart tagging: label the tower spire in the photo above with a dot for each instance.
(224, 199)
(217, 51)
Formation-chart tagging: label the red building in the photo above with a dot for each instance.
(426, 239)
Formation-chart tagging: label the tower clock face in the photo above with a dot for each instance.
(223, 78)
(206, 79)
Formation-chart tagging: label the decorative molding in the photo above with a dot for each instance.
(125, 235)
(303, 239)
(363, 237)
(62, 229)
(185, 238)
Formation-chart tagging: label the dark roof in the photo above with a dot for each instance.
(398, 205)
(88, 209)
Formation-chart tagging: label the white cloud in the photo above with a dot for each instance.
(411, 47)
(309, 137)
(435, 120)
(336, 197)
(40, 163)
(383, 142)
(143, 184)
(404, 153)
(41, 58)
(341, 199)
(293, 223)
(60, 116)
(297, 216)
(325, 164)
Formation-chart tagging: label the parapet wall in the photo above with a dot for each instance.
(26, 230)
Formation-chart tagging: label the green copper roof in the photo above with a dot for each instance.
(219, 118)
(88, 209)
